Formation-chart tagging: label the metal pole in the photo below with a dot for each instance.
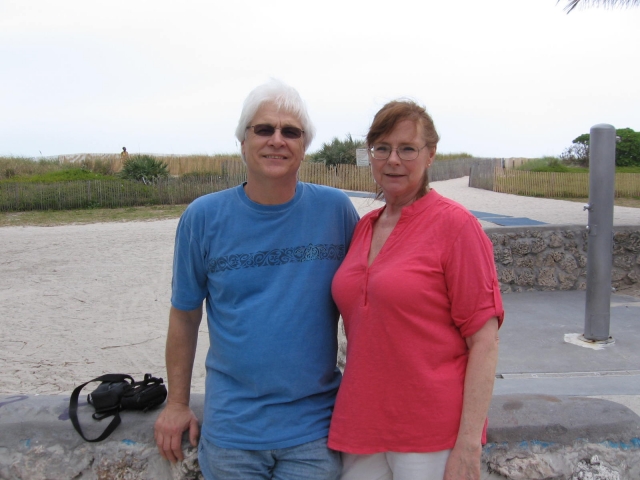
(602, 165)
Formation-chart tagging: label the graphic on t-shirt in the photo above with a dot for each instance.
(277, 256)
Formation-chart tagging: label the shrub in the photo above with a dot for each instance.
(338, 151)
(143, 168)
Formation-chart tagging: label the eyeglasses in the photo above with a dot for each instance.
(405, 152)
(266, 130)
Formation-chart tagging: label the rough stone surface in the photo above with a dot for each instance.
(536, 437)
(38, 442)
(530, 437)
(554, 258)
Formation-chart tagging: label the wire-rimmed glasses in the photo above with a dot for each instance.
(405, 152)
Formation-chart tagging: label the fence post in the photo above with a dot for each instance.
(602, 166)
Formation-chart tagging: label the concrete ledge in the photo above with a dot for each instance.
(38, 442)
(546, 418)
(530, 437)
(548, 437)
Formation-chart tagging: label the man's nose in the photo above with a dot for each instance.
(277, 138)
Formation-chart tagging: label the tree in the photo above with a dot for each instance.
(627, 149)
(338, 151)
(577, 154)
(571, 4)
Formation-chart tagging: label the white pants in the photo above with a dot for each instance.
(395, 466)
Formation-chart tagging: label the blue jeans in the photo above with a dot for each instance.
(309, 461)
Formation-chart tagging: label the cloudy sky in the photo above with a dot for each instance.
(502, 78)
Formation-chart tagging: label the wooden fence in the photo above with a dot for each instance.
(348, 177)
(225, 173)
(189, 180)
(546, 184)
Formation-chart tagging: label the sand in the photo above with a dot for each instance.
(80, 301)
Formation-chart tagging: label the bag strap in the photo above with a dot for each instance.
(149, 379)
(73, 405)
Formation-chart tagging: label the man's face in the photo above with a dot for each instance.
(273, 157)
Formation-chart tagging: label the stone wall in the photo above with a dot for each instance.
(555, 258)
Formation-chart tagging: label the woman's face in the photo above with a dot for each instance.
(399, 179)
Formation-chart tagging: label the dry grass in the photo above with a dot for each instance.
(564, 185)
(52, 218)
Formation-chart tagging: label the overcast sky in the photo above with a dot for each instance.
(501, 78)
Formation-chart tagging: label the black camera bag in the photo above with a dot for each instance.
(117, 392)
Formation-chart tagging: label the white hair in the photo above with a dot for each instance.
(285, 98)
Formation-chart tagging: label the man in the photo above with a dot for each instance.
(263, 255)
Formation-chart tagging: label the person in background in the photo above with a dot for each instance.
(419, 296)
(262, 255)
(124, 154)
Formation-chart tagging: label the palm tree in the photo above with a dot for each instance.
(571, 4)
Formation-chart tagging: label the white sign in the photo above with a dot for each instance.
(362, 157)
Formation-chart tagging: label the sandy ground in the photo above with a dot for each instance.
(83, 300)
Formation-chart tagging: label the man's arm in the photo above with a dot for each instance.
(177, 417)
(464, 461)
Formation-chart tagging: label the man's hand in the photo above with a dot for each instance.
(173, 421)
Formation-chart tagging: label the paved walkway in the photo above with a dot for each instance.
(536, 353)
(494, 209)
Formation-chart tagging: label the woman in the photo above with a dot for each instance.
(421, 305)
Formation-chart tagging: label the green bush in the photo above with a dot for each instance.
(338, 151)
(144, 168)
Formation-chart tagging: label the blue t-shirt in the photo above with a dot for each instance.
(265, 271)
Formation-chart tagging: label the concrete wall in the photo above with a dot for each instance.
(530, 437)
(555, 258)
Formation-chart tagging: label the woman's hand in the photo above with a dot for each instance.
(464, 461)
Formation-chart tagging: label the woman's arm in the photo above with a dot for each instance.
(464, 461)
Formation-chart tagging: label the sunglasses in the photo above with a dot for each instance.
(266, 130)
